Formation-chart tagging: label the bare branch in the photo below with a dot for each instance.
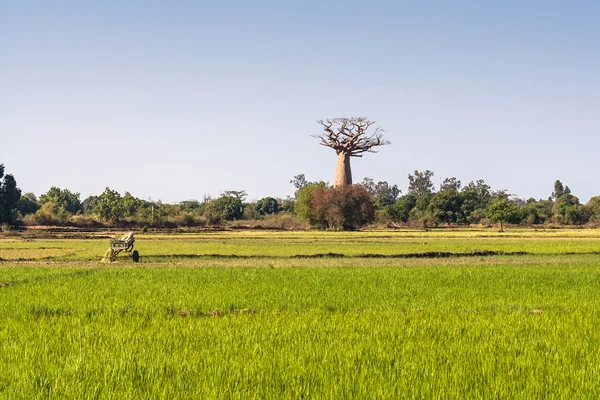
(351, 135)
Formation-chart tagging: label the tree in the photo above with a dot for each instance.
(476, 198)
(63, 198)
(190, 206)
(450, 184)
(303, 207)
(502, 212)
(400, 210)
(28, 204)
(420, 184)
(349, 137)
(383, 194)
(130, 205)
(240, 194)
(537, 212)
(108, 207)
(559, 190)
(567, 209)
(299, 182)
(446, 207)
(287, 205)
(10, 195)
(88, 204)
(228, 207)
(268, 205)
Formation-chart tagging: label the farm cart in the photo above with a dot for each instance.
(118, 245)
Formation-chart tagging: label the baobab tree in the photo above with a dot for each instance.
(349, 137)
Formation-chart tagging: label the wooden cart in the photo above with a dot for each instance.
(118, 245)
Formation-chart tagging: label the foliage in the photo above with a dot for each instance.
(130, 205)
(592, 209)
(239, 194)
(109, 207)
(452, 204)
(287, 205)
(303, 204)
(502, 212)
(567, 210)
(446, 207)
(267, 205)
(227, 207)
(476, 198)
(51, 214)
(88, 204)
(10, 195)
(450, 184)
(64, 199)
(382, 193)
(400, 210)
(344, 207)
(299, 182)
(559, 190)
(191, 206)
(28, 204)
(420, 184)
(537, 212)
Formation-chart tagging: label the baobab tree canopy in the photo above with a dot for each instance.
(349, 137)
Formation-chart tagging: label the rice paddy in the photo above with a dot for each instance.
(394, 314)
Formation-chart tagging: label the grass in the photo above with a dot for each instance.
(502, 326)
(289, 244)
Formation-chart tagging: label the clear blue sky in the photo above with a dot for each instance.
(176, 99)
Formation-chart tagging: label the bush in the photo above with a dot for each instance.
(51, 214)
(345, 207)
(250, 213)
(283, 221)
(184, 219)
(84, 221)
(209, 212)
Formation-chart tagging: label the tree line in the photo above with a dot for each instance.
(316, 204)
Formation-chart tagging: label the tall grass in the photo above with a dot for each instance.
(439, 328)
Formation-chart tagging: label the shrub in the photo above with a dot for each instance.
(51, 214)
(212, 218)
(344, 207)
(184, 219)
(283, 221)
(84, 221)
(250, 212)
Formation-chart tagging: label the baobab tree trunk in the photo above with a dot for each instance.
(349, 137)
(343, 174)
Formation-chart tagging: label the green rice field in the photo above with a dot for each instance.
(284, 315)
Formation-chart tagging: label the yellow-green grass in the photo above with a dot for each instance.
(289, 244)
(500, 326)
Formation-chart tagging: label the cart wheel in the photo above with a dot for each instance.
(136, 256)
